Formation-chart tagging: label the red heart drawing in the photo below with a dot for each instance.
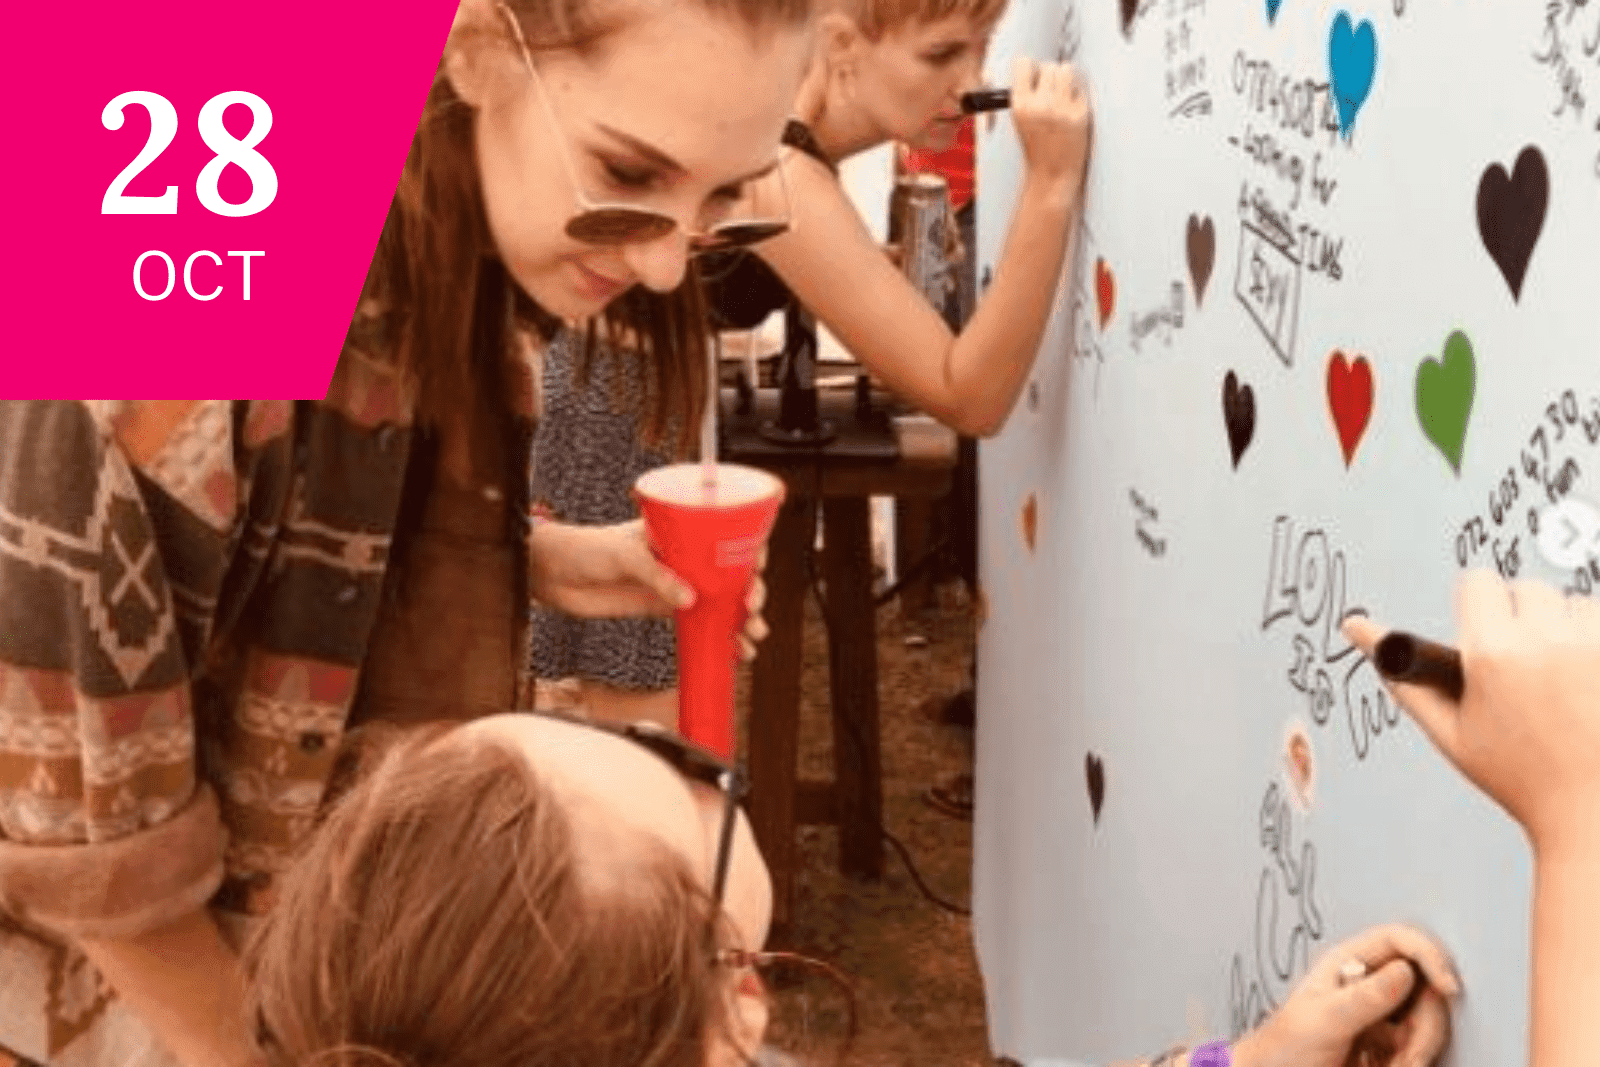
(1105, 290)
(1350, 399)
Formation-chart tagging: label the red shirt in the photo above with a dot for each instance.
(956, 164)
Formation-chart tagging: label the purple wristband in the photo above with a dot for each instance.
(1213, 1054)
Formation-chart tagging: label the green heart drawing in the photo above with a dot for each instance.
(1444, 397)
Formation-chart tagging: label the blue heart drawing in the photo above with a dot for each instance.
(1272, 9)
(1352, 57)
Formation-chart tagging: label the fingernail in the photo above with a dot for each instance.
(684, 598)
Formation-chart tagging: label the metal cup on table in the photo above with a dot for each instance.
(923, 227)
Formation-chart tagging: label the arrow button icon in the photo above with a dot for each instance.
(1569, 533)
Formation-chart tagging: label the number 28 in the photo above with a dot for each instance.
(228, 149)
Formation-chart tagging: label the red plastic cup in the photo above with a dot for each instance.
(710, 535)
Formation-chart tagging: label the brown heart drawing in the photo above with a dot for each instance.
(1130, 10)
(1201, 240)
(1239, 412)
(1511, 210)
(1094, 770)
(1030, 520)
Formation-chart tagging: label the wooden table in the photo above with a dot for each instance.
(853, 800)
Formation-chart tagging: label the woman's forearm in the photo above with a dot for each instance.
(968, 381)
(186, 984)
(989, 361)
(1565, 1027)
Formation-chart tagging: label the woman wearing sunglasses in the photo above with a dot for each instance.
(198, 599)
(540, 892)
(884, 70)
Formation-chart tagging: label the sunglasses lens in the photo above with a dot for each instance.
(738, 235)
(619, 226)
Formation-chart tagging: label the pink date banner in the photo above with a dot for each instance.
(156, 243)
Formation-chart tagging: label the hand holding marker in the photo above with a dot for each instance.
(991, 100)
(1403, 657)
(1355, 970)
(1525, 727)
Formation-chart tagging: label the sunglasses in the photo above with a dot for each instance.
(620, 224)
(692, 762)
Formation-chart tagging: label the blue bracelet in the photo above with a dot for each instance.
(1213, 1054)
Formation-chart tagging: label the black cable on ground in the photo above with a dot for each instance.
(854, 730)
(911, 868)
(935, 555)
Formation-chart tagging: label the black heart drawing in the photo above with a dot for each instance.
(1202, 244)
(1130, 8)
(1239, 411)
(1511, 210)
(1095, 770)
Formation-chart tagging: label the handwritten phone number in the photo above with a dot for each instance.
(1567, 421)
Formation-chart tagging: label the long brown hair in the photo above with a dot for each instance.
(437, 277)
(441, 916)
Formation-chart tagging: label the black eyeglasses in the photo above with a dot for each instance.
(619, 224)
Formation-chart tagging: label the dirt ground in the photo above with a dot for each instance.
(919, 993)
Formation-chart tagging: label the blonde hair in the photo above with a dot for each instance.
(440, 917)
(878, 17)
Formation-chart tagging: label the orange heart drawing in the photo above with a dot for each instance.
(1030, 520)
(1105, 291)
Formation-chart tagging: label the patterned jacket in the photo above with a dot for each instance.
(187, 590)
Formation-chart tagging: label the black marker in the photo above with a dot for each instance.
(1403, 657)
(985, 100)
